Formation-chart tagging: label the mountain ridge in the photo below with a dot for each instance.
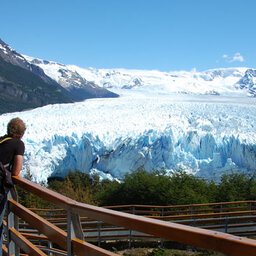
(21, 89)
(24, 85)
(84, 83)
(71, 80)
(219, 81)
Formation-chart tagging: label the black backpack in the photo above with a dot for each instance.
(5, 178)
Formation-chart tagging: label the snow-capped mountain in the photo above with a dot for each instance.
(202, 122)
(24, 85)
(72, 81)
(16, 59)
(248, 82)
(227, 81)
(214, 82)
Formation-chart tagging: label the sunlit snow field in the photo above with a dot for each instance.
(205, 135)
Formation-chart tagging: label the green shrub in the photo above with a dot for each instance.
(155, 188)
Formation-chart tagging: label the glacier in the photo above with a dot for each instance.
(206, 135)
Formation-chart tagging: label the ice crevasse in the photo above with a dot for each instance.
(113, 137)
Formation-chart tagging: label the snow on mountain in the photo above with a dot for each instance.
(202, 122)
(13, 57)
(78, 86)
(216, 82)
(25, 85)
(248, 82)
(210, 82)
(205, 135)
(10, 55)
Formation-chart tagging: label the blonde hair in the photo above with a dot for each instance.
(16, 128)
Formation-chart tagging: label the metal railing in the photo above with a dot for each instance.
(229, 217)
(188, 209)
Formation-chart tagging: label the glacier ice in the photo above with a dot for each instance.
(205, 135)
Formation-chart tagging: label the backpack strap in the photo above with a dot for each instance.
(6, 165)
(5, 139)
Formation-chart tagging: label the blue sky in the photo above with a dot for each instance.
(137, 34)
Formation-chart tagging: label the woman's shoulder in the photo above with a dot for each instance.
(17, 145)
(3, 137)
(11, 141)
(17, 141)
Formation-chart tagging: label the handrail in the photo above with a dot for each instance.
(67, 240)
(53, 213)
(217, 241)
(177, 206)
(24, 244)
(158, 206)
(220, 221)
(54, 233)
(184, 209)
(172, 217)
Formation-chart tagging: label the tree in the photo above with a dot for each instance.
(138, 187)
(31, 200)
(236, 187)
(78, 186)
(187, 189)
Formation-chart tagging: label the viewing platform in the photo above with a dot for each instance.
(75, 228)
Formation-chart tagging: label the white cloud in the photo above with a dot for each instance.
(237, 57)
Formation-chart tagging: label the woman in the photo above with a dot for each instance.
(11, 155)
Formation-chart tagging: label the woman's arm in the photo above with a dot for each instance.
(17, 165)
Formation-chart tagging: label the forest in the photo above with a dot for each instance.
(142, 187)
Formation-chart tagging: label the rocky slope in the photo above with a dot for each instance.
(24, 85)
(71, 80)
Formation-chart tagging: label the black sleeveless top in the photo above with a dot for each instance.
(9, 149)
